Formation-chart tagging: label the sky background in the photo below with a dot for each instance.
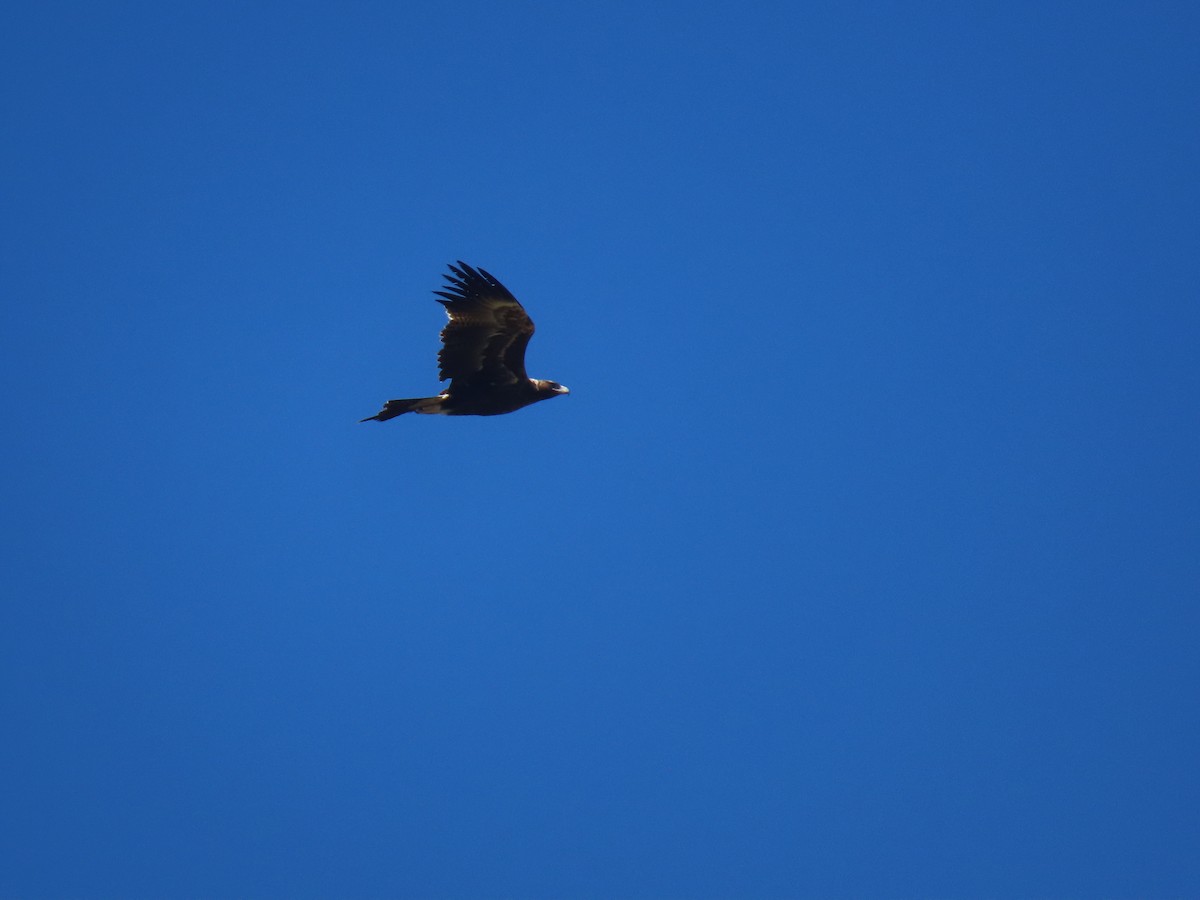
(862, 561)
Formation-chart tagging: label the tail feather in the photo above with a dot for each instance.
(394, 408)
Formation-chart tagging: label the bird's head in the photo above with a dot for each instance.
(550, 388)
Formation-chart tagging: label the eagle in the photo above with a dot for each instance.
(483, 353)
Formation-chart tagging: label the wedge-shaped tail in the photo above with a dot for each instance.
(393, 408)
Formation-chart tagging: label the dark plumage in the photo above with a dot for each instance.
(483, 353)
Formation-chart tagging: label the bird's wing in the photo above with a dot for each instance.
(483, 344)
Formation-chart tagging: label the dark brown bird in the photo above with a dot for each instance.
(483, 353)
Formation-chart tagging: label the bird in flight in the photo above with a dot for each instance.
(483, 353)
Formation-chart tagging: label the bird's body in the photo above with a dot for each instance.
(483, 353)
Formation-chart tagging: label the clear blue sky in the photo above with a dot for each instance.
(862, 561)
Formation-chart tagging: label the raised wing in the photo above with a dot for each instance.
(483, 344)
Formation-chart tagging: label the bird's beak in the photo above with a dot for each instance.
(562, 389)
